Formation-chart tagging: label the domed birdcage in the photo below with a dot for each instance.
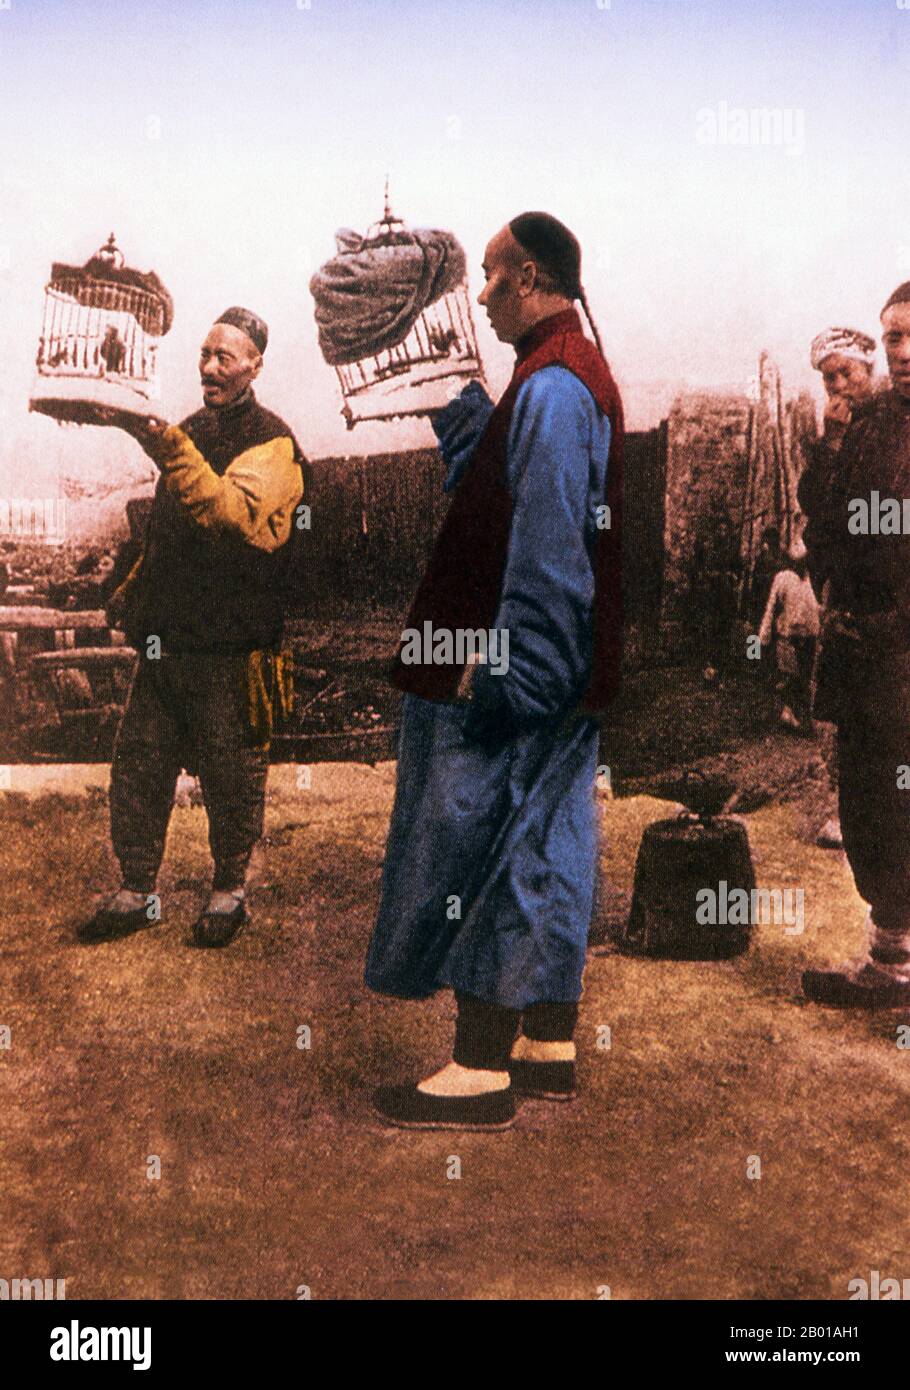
(394, 319)
(99, 339)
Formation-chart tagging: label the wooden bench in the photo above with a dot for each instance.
(65, 694)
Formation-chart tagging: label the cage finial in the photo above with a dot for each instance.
(110, 252)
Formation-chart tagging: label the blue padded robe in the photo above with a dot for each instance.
(488, 880)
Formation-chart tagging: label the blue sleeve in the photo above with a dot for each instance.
(557, 468)
(458, 427)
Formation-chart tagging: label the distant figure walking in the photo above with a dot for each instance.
(791, 621)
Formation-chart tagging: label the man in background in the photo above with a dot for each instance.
(845, 357)
(866, 659)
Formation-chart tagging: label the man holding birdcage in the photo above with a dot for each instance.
(204, 607)
(489, 871)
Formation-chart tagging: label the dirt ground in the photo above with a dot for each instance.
(274, 1173)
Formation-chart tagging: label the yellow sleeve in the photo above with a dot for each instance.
(254, 498)
(120, 596)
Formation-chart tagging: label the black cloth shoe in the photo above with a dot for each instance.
(543, 1080)
(111, 926)
(219, 928)
(409, 1108)
(859, 989)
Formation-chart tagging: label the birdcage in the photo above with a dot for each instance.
(99, 339)
(394, 319)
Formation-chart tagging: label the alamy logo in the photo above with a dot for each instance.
(19, 1289)
(44, 517)
(739, 907)
(879, 516)
(464, 646)
(75, 1343)
(877, 1288)
(783, 127)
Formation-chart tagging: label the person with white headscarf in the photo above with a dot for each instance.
(866, 685)
(845, 358)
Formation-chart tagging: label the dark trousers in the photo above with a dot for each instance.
(484, 1033)
(187, 711)
(875, 817)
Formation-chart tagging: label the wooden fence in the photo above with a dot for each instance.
(374, 519)
(372, 522)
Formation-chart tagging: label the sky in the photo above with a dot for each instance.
(224, 141)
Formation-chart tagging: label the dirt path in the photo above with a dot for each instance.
(274, 1173)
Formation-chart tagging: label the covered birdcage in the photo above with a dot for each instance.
(99, 340)
(394, 320)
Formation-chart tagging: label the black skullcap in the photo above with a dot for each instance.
(900, 296)
(255, 328)
(553, 246)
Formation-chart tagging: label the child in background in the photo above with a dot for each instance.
(791, 621)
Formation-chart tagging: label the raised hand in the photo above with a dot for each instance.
(145, 429)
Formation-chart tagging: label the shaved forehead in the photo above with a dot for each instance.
(225, 337)
(896, 318)
(502, 247)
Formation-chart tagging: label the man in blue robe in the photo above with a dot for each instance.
(489, 872)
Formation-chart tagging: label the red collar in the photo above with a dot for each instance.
(566, 321)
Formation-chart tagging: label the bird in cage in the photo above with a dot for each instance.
(113, 350)
(443, 339)
(394, 319)
(98, 349)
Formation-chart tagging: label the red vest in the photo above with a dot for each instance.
(462, 583)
